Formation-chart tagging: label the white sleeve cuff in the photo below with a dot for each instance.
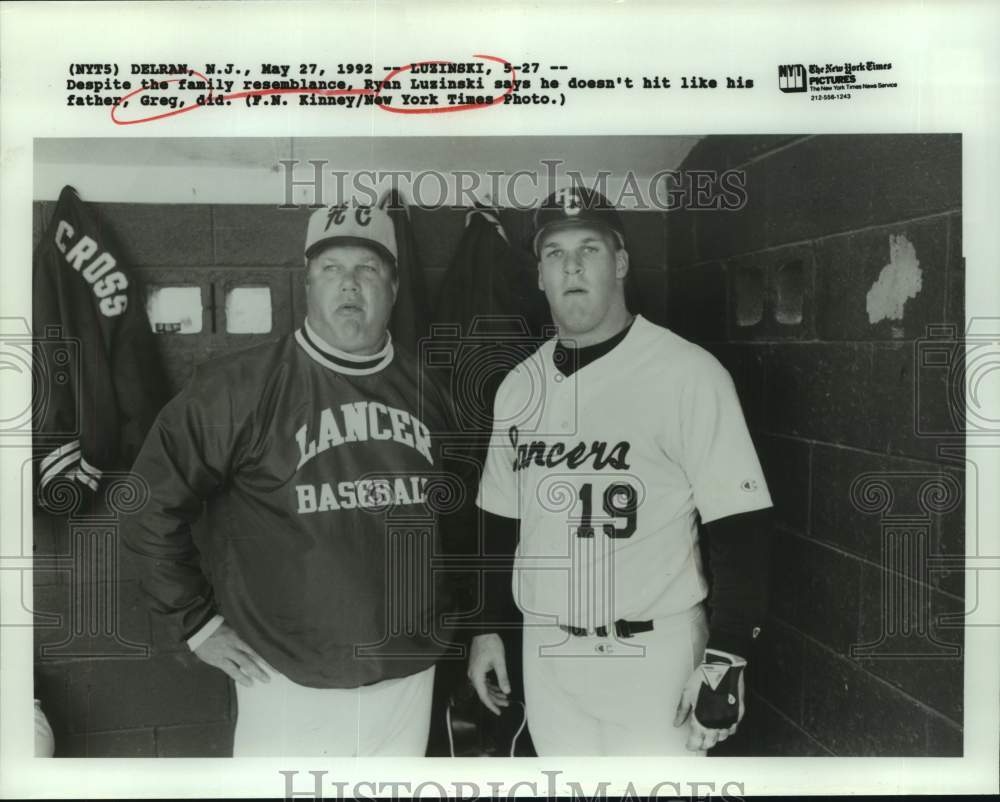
(205, 632)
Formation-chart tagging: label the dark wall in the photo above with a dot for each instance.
(139, 692)
(840, 402)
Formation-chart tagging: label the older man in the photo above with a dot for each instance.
(303, 455)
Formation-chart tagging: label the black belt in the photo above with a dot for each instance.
(623, 629)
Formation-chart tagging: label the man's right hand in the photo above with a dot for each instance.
(487, 654)
(226, 650)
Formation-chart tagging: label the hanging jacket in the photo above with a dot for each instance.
(411, 313)
(98, 381)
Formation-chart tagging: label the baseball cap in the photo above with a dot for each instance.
(574, 206)
(352, 224)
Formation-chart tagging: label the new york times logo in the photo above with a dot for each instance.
(792, 78)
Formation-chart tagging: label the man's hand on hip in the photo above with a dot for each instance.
(226, 650)
(487, 654)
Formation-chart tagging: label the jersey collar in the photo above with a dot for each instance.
(569, 361)
(341, 361)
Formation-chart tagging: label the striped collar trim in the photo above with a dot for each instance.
(341, 361)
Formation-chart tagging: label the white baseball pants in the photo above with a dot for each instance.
(587, 695)
(282, 719)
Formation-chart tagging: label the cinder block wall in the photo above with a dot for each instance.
(837, 399)
(106, 696)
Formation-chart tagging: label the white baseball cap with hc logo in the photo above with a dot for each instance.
(352, 224)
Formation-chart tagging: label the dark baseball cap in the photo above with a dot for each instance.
(577, 206)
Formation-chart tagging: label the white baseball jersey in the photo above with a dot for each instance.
(607, 470)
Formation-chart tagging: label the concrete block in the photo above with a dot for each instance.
(160, 234)
(929, 665)
(696, 302)
(259, 235)
(882, 284)
(164, 690)
(195, 740)
(120, 743)
(855, 715)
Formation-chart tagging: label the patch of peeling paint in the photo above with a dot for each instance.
(899, 281)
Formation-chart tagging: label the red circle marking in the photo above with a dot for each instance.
(326, 92)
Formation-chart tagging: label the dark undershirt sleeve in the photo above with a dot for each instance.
(739, 556)
(499, 542)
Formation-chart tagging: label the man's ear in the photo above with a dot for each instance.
(621, 263)
(541, 284)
